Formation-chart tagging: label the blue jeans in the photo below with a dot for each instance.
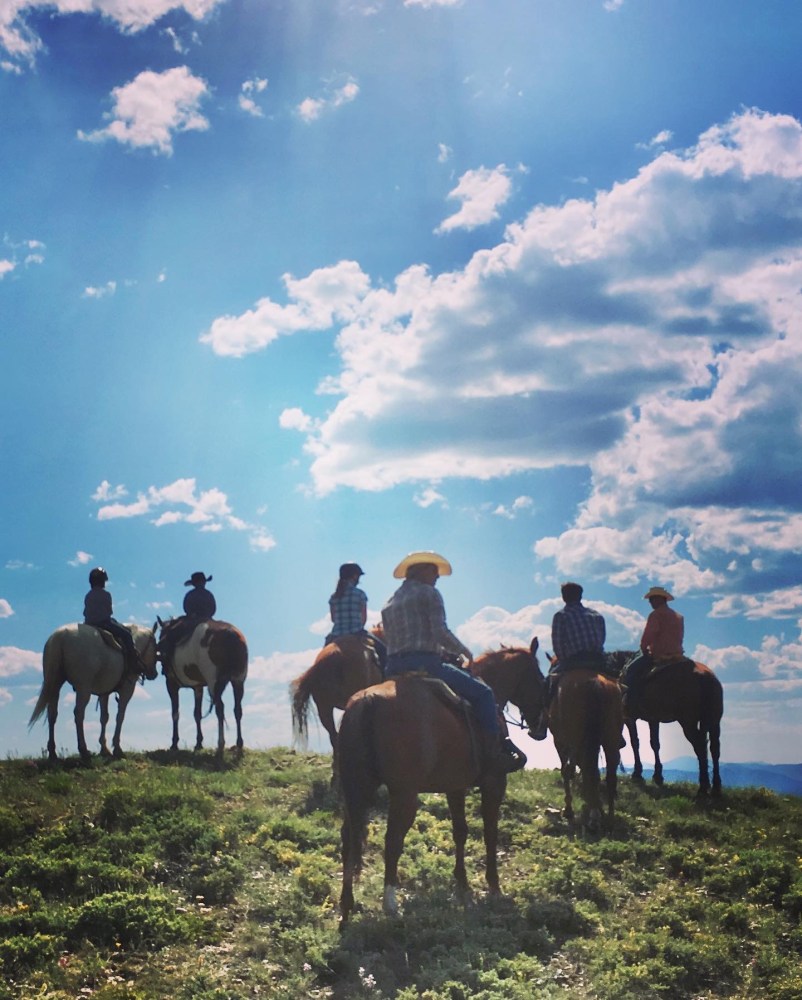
(473, 690)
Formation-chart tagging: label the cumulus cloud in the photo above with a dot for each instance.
(22, 44)
(6, 611)
(100, 291)
(15, 661)
(481, 193)
(311, 108)
(518, 505)
(651, 334)
(149, 111)
(180, 502)
(426, 497)
(81, 558)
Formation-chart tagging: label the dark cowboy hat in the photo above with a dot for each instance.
(197, 579)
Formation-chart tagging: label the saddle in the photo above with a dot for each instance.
(449, 697)
(108, 638)
(658, 666)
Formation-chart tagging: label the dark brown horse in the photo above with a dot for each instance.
(688, 693)
(586, 716)
(214, 656)
(341, 668)
(403, 734)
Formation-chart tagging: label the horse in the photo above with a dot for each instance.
(213, 656)
(586, 715)
(686, 692)
(404, 735)
(341, 668)
(93, 663)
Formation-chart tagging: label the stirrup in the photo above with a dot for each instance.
(513, 758)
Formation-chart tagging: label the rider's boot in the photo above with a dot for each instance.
(501, 754)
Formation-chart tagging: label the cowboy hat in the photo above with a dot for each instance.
(658, 592)
(416, 558)
(196, 579)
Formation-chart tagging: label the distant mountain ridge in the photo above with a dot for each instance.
(783, 778)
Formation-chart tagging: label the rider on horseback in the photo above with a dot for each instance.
(661, 642)
(418, 638)
(348, 607)
(577, 637)
(199, 606)
(98, 612)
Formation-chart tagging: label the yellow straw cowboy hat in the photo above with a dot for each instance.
(658, 592)
(416, 558)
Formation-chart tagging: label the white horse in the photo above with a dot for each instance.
(80, 654)
(215, 655)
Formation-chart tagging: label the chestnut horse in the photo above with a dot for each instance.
(214, 656)
(686, 692)
(404, 735)
(341, 668)
(586, 715)
(93, 663)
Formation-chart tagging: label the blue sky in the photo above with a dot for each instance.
(288, 284)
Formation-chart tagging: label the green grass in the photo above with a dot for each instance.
(167, 877)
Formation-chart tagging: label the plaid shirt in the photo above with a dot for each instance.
(414, 620)
(347, 612)
(577, 629)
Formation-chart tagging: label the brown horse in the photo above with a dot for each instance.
(93, 663)
(213, 656)
(586, 716)
(341, 668)
(688, 693)
(404, 735)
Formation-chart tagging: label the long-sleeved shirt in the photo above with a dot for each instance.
(414, 620)
(577, 629)
(664, 633)
(97, 606)
(200, 603)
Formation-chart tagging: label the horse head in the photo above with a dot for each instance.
(147, 652)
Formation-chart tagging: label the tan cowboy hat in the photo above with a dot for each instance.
(415, 558)
(658, 592)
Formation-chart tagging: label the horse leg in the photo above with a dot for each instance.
(81, 701)
(715, 751)
(634, 742)
(52, 715)
(238, 687)
(198, 715)
(123, 697)
(400, 816)
(654, 742)
(221, 724)
(697, 737)
(172, 691)
(492, 796)
(612, 758)
(103, 700)
(325, 712)
(567, 772)
(459, 828)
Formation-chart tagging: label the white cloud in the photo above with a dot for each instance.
(651, 334)
(444, 152)
(482, 192)
(311, 108)
(662, 137)
(100, 291)
(180, 501)
(81, 558)
(15, 661)
(432, 3)
(6, 611)
(152, 108)
(428, 496)
(249, 90)
(19, 39)
(6, 267)
(518, 505)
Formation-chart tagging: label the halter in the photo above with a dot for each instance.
(141, 672)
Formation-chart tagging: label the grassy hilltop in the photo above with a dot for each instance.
(155, 878)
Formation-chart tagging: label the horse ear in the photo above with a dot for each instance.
(534, 646)
(158, 622)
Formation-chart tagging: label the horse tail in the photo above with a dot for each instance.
(54, 676)
(300, 693)
(358, 779)
(711, 703)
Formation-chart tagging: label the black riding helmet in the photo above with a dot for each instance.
(98, 576)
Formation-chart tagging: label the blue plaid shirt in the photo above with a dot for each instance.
(577, 629)
(347, 612)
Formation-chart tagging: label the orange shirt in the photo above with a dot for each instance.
(664, 632)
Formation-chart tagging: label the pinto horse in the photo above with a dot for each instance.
(93, 663)
(341, 668)
(586, 715)
(686, 692)
(405, 735)
(215, 655)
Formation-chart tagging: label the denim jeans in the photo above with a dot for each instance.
(472, 689)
